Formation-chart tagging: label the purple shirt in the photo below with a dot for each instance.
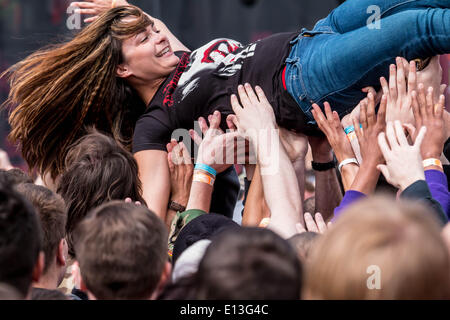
(437, 182)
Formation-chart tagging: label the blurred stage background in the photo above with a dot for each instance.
(26, 25)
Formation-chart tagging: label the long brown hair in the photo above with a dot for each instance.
(60, 90)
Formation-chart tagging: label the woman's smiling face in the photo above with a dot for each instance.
(147, 56)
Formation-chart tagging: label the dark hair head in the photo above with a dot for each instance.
(98, 170)
(52, 213)
(122, 251)
(15, 176)
(249, 264)
(20, 240)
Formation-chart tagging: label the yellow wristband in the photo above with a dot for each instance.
(432, 162)
(264, 223)
(113, 3)
(200, 176)
(351, 136)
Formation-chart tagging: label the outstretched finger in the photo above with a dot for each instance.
(245, 100)
(430, 101)
(215, 120)
(412, 77)
(236, 106)
(439, 107)
(310, 223)
(363, 114)
(194, 136)
(381, 117)
(321, 225)
(251, 93)
(231, 122)
(384, 147)
(420, 137)
(371, 119)
(400, 133)
(393, 82)
(401, 82)
(384, 86)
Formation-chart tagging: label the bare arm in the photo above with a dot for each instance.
(155, 178)
(255, 209)
(257, 121)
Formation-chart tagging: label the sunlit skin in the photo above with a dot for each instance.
(148, 61)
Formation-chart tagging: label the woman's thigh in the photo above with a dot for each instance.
(336, 66)
(354, 14)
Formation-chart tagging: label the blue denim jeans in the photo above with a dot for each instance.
(342, 54)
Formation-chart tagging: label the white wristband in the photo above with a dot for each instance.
(346, 162)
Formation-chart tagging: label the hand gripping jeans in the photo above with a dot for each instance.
(345, 52)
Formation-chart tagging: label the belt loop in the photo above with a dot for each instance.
(292, 60)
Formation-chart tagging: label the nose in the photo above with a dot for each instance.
(160, 38)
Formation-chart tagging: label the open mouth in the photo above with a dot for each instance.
(163, 52)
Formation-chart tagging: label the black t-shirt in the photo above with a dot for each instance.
(204, 81)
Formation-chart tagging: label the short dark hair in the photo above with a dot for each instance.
(122, 251)
(15, 176)
(249, 264)
(98, 170)
(20, 240)
(52, 213)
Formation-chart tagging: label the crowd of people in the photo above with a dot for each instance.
(350, 203)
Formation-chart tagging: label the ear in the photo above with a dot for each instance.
(123, 71)
(61, 253)
(165, 277)
(38, 269)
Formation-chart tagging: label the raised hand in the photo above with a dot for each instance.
(429, 114)
(330, 125)
(94, 8)
(372, 125)
(216, 147)
(254, 114)
(398, 92)
(181, 171)
(403, 162)
(316, 224)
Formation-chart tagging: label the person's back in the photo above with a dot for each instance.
(380, 249)
(122, 252)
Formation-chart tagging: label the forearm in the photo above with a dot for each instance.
(348, 175)
(366, 179)
(253, 209)
(437, 182)
(280, 187)
(200, 197)
(328, 193)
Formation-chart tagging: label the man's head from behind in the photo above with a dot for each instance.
(52, 213)
(98, 170)
(21, 260)
(122, 252)
(380, 249)
(249, 264)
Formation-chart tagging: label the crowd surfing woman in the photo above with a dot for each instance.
(129, 76)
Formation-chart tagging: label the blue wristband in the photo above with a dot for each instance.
(204, 167)
(350, 129)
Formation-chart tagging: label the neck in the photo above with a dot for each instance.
(49, 280)
(148, 90)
